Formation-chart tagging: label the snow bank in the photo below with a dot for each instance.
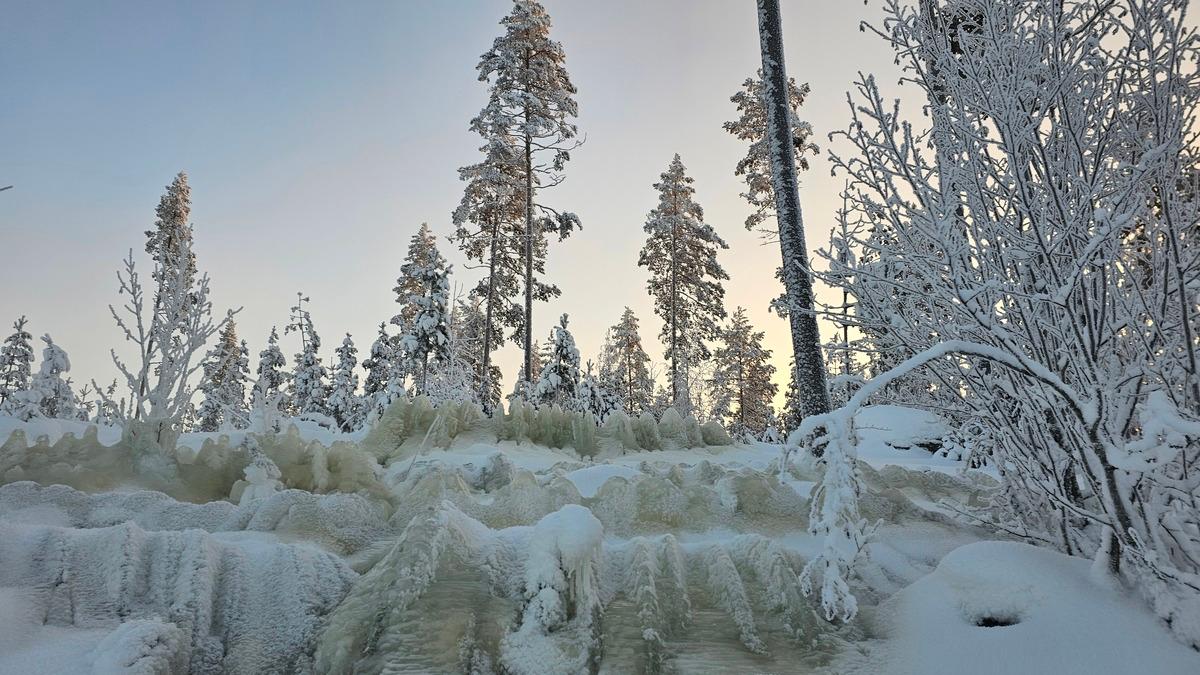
(1002, 607)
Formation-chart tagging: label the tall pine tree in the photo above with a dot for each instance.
(490, 230)
(685, 278)
(531, 103)
(624, 366)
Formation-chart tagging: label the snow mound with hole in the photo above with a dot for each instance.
(1005, 607)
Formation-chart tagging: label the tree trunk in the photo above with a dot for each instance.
(797, 278)
(485, 376)
(528, 258)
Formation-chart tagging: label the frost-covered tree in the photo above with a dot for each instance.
(743, 374)
(468, 345)
(531, 104)
(309, 392)
(169, 334)
(797, 300)
(559, 380)
(271, 387)
(594, 397)
(345, 405)
(16, 361)
(490, 230)
(224, 387)
(1058, 167)
(49, 394)
(377, 385)
(624, 365)
(425, 306)
(685, 278)
(755, 167)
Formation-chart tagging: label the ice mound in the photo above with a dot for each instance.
(176, 601)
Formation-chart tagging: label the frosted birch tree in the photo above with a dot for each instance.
(168, 330)
(1058, 172)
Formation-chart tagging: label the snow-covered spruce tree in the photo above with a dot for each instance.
(224, 386)
(685, 278)
(270, 389)
(624, 365)
(845, 371)
(797, 301)
(558, 382)
(425, 306)
(1073, 162)
(345, 405)
(48, 391)
(490, 230)
(169, 334)
(376, 387)
(531, 104)
(16, 361)
(594, 397)
(743, 371)
(309, 392)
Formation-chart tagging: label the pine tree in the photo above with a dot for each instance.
(558, 382)
(425, 281)
(685, 278)
(170, 242)
(224, 386)
(490, 231)
(531, 102)
(16, 361)
(345, 406)
(309, 392)
(271, 387)
(624, 365)
(376, 389)
(744, 371)
(755, 167)
(797, 301)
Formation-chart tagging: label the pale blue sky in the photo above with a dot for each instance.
(318, 136)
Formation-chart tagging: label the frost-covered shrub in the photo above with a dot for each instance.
(645, 430)
(417, 421)
(713, 432)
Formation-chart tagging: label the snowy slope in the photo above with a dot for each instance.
(301, 550)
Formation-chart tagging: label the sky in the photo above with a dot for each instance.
(318, 136)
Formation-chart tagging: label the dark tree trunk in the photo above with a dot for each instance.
(797, 277)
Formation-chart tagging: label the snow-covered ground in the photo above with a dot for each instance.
(303, 552)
